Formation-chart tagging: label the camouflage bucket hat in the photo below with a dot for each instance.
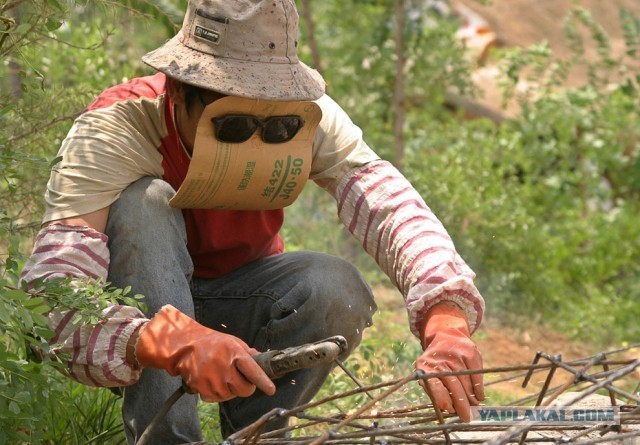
(245, 48)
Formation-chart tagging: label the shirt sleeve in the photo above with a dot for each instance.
(106, 150)
(391, 220)
(338, 146)
(97, 352)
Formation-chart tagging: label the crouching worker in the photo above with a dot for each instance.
(175, 184)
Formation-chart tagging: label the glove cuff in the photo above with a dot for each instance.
(162, 341)
(443, 318)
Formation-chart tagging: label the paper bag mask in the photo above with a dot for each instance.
(252, 175)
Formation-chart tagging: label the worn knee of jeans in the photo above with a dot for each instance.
(148, 245)
(335, 301)
(349, 304)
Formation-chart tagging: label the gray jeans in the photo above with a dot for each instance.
(273, 303)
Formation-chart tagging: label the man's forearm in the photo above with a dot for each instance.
(98, 353)
(396, 227)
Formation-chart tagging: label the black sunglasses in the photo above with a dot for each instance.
(237, 128)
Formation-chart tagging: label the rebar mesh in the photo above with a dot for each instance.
(389, 416)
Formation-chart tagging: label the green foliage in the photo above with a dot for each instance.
(57, 54)
(358, 60)
(83, 415)
(27, 362)
(210, 422)
(545, 206)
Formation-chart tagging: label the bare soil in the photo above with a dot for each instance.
(525, 22)
(522, 23)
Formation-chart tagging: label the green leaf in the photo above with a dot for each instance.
(5, 317)
(6, 108)
(14, 407)
(56, 4)
(11, 264)
(55, 161)
(40, 319)
(14, 294)
(23, 397)
(52, 24)
(33, 302)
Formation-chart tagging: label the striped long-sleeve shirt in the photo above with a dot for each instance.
(98, 352)
(129, 132)
(395, 226)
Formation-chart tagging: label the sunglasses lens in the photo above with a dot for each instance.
(281, 129)
(235, 129)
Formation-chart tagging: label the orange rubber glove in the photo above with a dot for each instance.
(215, 365)
(448, 346)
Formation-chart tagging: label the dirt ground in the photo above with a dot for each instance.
(525, 22)
(521, 23)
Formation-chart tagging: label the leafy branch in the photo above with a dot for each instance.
(42, 126)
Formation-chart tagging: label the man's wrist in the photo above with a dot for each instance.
(443, 316)
(131, 347)
(446, 303)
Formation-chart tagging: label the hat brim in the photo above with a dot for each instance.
(255, 80)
